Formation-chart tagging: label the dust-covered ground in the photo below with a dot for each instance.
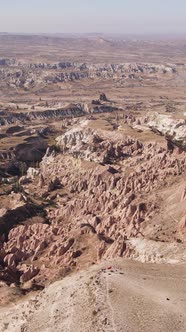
(117, 295)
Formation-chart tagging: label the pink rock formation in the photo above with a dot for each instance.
(99, 205)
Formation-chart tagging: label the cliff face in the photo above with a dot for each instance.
(173, 129)
(18, 74)
(71, 111)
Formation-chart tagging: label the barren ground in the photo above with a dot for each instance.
(92, 229)
(119, 295)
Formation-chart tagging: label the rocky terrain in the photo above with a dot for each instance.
(114, 296)
(92, 185)
(98, 191)
(21, 75)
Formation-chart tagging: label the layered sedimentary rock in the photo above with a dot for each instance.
(18, 74)
(172, 128)
(71, 111)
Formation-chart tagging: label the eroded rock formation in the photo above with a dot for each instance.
(100, 190)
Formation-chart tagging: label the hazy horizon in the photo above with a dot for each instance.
(137, 17)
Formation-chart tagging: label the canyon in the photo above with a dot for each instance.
(92, 185)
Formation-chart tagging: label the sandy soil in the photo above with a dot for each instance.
(115, 296)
